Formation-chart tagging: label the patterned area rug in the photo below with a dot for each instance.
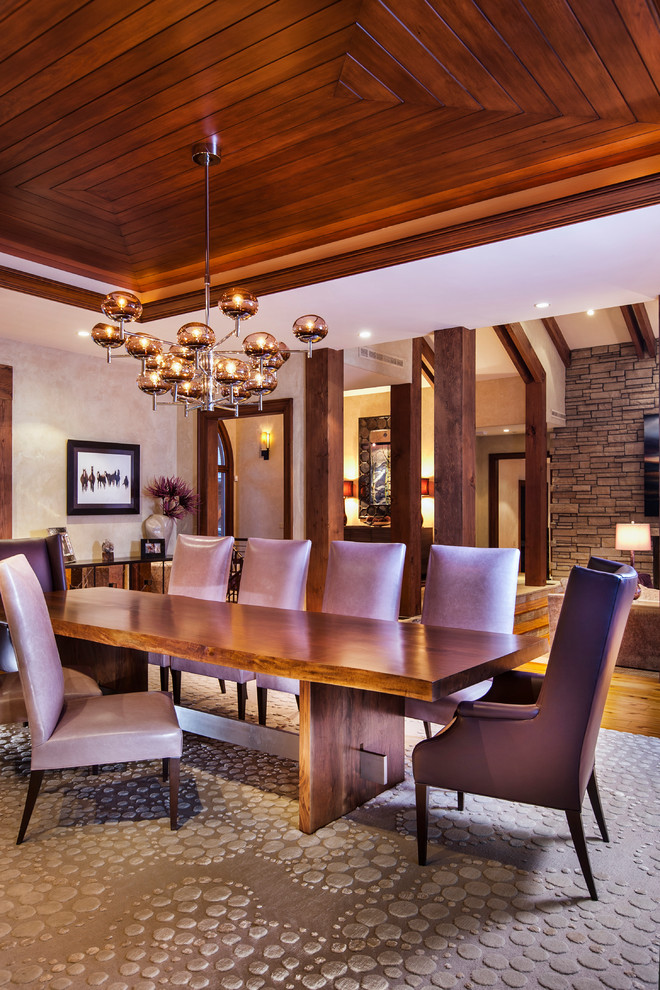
(102, 894)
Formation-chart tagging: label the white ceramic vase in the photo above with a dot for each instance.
(160, 527)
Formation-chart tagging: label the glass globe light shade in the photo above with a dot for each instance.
(142, 345)
(260, 345)
(196, 335)
(262, 383)
(239, 304)
(191, 391)
(241, 394)
(274, 361)
(151, 383)
(229, 371)
(106, 335)
(310, 329)
(174, 370)
(284, 351)
(154, 362)
(121, 306)
(184, 353)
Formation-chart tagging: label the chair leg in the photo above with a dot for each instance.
(428, 730)
(164, 678)
(36, 776)
(460, 800)
(422, 806)
(262, 704)
(166, 768)
(574, 819)
(241, 693)
(223, 687)
(176, 686)
(594, 797)
(174, 792)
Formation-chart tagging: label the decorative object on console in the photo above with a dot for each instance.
(67, 548)
(107, 551)
(153, 547)
(633, 536)
(196, 371)
(102, 478)
(177, 500)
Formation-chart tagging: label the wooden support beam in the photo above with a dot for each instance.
(454, 437)
(324, 459)
(639, 327)
(633, 329)
(406, 474)
(427, 361)
(6, 399)
(558, 339)
(532, 372)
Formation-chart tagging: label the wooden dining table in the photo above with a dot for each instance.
(354, 676)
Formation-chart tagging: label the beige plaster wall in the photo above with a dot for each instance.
(58, 397)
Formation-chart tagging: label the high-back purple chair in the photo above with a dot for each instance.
(274, 573)
(466, 588)
(362, 579)
(533, 739)
(200, 569)
(46, 559)
(114, 728)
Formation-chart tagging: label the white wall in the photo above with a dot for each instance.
(60, 396)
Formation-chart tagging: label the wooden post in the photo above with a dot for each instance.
(324, 464)
(455, 512)
(536, 485)
(6, 397)
(406, 472)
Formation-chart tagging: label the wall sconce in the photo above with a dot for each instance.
(265, 444)
(428, 487)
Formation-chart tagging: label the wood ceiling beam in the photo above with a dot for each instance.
(558, 339)
(639, 328)
(427, 362)
(517, 345)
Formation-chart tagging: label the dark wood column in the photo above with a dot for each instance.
(518, 347)
(324, 460)
(406, 472)
(454, 372)
(6, 398)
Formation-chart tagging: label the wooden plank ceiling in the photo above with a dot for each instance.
(337, 120)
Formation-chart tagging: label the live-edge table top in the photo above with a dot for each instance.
(400, 658)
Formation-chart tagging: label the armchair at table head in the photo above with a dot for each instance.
(466, 588)
(200, 569)
(274, 574)
(70, 733)
(362, 579)
(46, 557)
(541, 752)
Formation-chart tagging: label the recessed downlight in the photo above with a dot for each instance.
(364, 334)
(83, 333)
(541, 305)
(591, 312)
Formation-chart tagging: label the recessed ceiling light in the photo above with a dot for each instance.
(506, 430)
(83, 333)
(591, 312)
(364, 334)
(541, 305)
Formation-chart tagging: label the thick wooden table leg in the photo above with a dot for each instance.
(336, 724)
(116, 668)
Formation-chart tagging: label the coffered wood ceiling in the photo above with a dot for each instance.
(462, 122)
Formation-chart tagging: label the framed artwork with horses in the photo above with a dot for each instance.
(102, 478)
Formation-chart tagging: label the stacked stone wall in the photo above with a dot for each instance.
(597, 463)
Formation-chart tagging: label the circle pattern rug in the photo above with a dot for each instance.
(103, 894)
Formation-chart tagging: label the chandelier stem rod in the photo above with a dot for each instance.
(207, 252)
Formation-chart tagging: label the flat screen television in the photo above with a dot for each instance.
(651, 458)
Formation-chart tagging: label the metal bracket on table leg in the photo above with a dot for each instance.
(373, 766)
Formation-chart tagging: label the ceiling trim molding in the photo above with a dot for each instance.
(588, 205)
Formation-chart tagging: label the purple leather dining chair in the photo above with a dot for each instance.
(113, 728)
(362, 579)
(200, 569)
(274, 574)
(46, 559)
(466, 588)
(533, 739)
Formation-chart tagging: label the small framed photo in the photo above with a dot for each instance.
(102, 478)
(152, 548)
(67, 548)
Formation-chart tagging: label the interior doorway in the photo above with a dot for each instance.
(244, 494)
(506, 501)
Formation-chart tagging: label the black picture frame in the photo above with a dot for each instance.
(152, 548)
(119, 466)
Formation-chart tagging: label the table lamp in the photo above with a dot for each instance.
(633, 536)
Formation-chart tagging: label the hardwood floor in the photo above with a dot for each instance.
(633, 701)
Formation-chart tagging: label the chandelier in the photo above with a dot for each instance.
(198, 371)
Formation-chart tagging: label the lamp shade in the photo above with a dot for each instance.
(633, 536)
